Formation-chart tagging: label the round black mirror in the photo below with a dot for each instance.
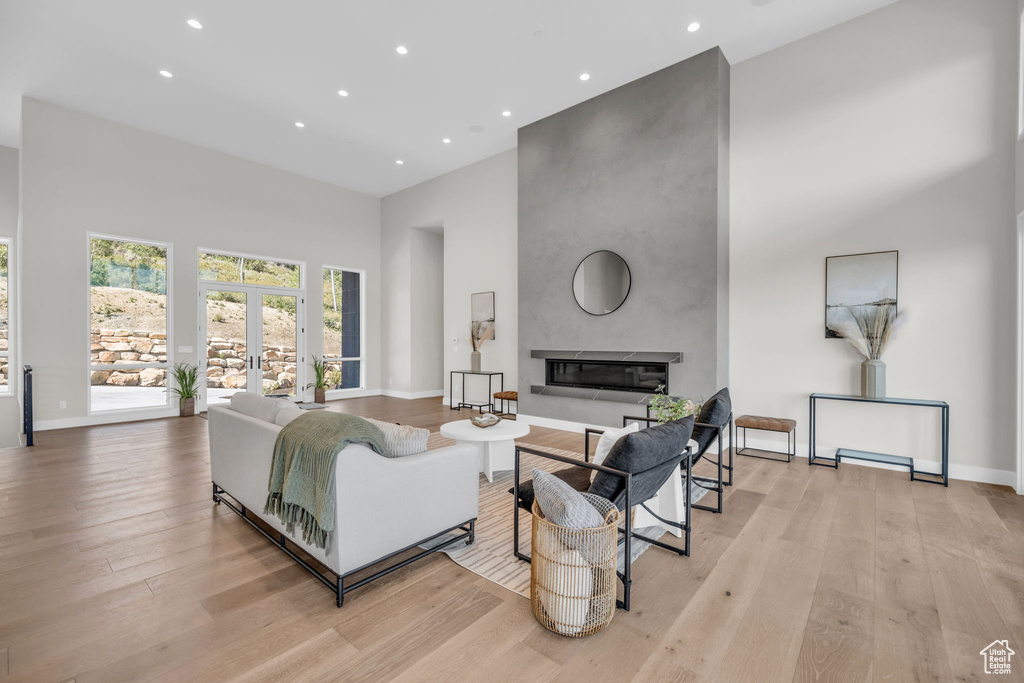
(601, 282)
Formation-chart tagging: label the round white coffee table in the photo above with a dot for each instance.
(496, 444)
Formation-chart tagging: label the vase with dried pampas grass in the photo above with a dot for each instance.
(868, 329)
(479, 332)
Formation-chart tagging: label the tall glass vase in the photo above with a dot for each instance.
(872, 379)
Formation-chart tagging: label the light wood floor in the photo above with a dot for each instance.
(116, 566)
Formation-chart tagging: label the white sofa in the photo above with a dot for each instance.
(383, 505)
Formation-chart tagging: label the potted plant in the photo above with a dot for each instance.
(334, 379)
(320, 385)
(666, 409)
(186, 377)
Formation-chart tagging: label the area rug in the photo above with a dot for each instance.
(491, 555)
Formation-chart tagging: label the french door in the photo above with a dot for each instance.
(251, 339)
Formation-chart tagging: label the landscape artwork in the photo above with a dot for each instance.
(859, 280)
(482, 305)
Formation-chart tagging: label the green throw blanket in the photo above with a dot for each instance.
(302, 473)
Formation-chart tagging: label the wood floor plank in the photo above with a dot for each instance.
(404, 646)
(497, 635)
(306, 661)
(849, 564)
(116, 566)
(908, 641)
(774, 618)
(838, 640)
(177, 651)
(702, 632)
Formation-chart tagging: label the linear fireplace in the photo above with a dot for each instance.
(618, 376)
(642, 377)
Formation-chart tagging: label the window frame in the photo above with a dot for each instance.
(169, 308)
(12, 372)
(361, 272)
(255, 257)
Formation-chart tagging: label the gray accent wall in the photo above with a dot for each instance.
(643, 171)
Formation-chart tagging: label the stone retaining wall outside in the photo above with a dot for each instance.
(226, 360)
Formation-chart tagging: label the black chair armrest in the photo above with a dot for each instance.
(627, 418)
(586, 441)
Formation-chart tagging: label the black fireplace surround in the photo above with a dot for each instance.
(642, 377)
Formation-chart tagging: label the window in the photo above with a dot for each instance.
(343, 347)
(5, 328)
(128, 320)
(243, 270)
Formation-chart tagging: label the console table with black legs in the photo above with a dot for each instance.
(900, 460)
(490, 389)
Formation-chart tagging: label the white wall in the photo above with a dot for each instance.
(1020, 140)
(427, 301)
(82, 174)
(895, 130)
(476, 206)
(10, 407)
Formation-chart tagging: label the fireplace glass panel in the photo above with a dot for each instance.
(639, 377)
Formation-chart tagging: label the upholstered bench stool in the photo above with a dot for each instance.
(505, 397)
(768, 424)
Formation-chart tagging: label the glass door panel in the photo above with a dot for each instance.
(226, 367)
(279, 333)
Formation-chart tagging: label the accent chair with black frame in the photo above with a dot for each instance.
(710, 426)
(634, 471)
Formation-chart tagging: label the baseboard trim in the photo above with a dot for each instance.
(103, 419)
(982, 475)
(338, 394)
(411, 395)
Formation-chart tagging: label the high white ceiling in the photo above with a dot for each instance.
(258, 66)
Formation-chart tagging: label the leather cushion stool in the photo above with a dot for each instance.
(768, 424)
(507, 396)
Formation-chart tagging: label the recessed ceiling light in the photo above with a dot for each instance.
(446, 140)
(693, 27)
(343, 93)
(506, 113)
(399, 162)
(402, 50)
(300, 124)
(166, 74)
(584, 77)
(194, 23)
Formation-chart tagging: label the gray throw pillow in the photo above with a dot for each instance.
(562, 504)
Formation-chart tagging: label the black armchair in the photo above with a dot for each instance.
(715, 417)
(636, 480)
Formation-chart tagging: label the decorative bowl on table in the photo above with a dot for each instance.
(485, 420)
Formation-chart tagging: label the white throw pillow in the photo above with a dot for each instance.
(609, 439)
(402, 439)
(257, 406)
(565, 591)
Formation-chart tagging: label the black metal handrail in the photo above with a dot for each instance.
(27, 404)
